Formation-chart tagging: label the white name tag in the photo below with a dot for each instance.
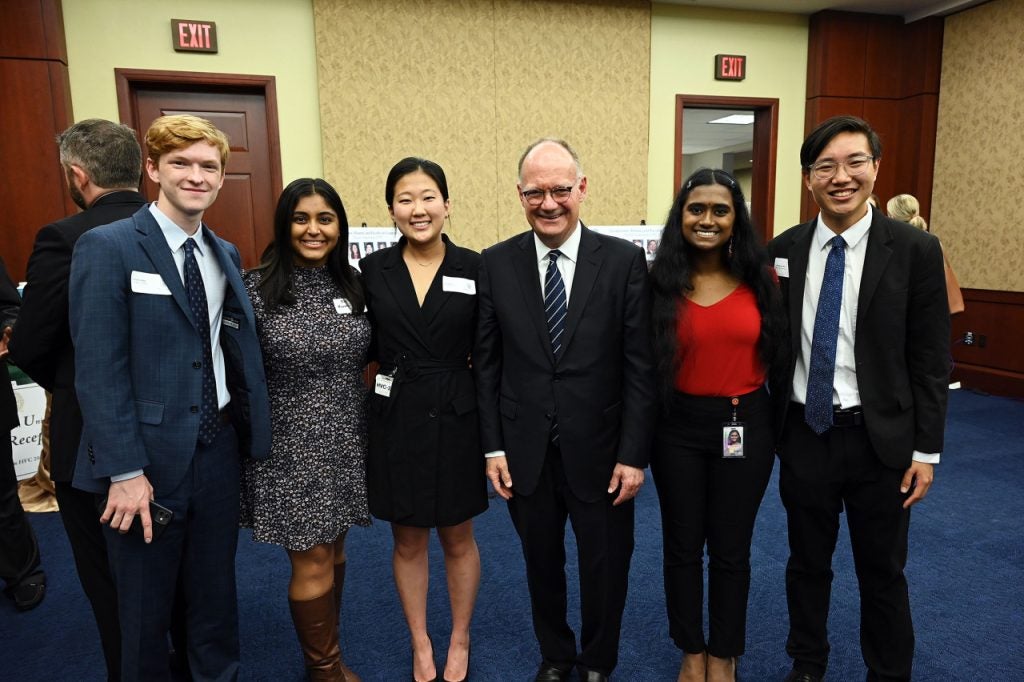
(149, 283)
(343, 306)
(460, 285)
(382, 385)
(782, 267)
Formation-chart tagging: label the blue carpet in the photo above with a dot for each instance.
(966, 575)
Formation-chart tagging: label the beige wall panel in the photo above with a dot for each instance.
(469, 84)
(976, 206)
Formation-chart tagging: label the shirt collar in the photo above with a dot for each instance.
(174, 235)
(570, 248)
(852, 235)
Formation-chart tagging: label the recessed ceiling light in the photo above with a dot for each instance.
(735, 119)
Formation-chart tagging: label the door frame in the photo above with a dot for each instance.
(128, 81)
(766, 133)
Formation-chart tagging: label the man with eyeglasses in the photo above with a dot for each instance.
(566, 399)
(867, 387)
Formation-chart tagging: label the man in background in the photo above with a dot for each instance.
(102, 163)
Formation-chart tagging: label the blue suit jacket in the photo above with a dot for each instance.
(138, 357)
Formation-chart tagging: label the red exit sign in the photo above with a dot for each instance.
(190, 35)
(730, 67)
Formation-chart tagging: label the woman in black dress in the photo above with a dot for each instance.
(314, 336)
(425, 469)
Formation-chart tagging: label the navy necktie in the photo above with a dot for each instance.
(820, 375)
(208, 421)
(555, 309)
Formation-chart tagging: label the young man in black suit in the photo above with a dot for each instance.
(566, 398)
(103, 164)
(25, 582)
(867, 386)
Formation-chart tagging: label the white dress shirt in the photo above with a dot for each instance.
(566, 263)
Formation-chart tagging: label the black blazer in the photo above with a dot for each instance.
(42, 345)
(902, 335)
(602, 387)
(9, 302)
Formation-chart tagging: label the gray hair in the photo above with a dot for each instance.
(108, 152)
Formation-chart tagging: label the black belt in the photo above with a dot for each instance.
(410, 369)
(843, 418)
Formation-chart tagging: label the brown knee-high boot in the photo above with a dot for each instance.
(316, 623)
(339, 586)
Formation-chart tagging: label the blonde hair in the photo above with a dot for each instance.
(905, 208)
(177, 131)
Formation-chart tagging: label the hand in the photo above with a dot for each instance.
(4, 339)
(501, 479)
(125, 500)
(918, 478)
(627, 480)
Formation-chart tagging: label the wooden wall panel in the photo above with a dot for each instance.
(835, 55)
(994, 363)
(883, 67)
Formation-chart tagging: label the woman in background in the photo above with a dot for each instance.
(314, 335)
(905, 208)
(426, 469)
(718, 328)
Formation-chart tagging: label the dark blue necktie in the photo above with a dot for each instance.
(820, 375)
(208, 421)
(555, 309)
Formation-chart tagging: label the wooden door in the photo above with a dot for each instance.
(244, 211)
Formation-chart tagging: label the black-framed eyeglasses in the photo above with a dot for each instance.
(535, 197)
(855, 165)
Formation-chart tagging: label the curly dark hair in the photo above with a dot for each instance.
(749, 262)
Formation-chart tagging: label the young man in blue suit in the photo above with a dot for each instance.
(170, 380)
(867, 385)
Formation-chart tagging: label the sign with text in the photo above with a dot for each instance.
(27, 436)
(730, 67)
(191, 35)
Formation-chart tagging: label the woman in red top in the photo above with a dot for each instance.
(718, 328)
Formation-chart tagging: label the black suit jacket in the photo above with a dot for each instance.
(901, 341)
(601, 388)
(42, 345)
(9, 302)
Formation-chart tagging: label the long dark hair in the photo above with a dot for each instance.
(278, 261)
(671, 278)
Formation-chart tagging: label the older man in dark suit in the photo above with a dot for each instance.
(103, 164)
(566, 395)
(868, 386)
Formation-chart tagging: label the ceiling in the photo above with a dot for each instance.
(910, 10)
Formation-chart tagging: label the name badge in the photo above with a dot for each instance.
(382, 385)
(230, 322)
(459, 285)
(149, 283)
(343, 306)
(782, 267)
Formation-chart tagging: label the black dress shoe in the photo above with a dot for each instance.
(551, 673)
(592, 676)
(29, 593)
(797, 676)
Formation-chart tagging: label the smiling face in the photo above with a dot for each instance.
(419, 209)
(547, 167)
(315, 231)
(843, 198)
(189, 180)
(708, 217)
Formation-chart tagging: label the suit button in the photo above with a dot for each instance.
(193, 409)
(197, 365)
(547, 415)
(433, 412)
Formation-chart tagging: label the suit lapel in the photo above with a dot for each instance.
(230, 270)
(399, 283)
(437, 298)
(588, 265)
(528, 278)
(798, 255)
(875, 260)
(156, 247)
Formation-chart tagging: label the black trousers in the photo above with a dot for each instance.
(820, 477)
(706, 499)
(604, 540)
(78, 512)
(19, 551)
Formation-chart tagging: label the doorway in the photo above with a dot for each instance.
(245, 108)
(745, 148)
